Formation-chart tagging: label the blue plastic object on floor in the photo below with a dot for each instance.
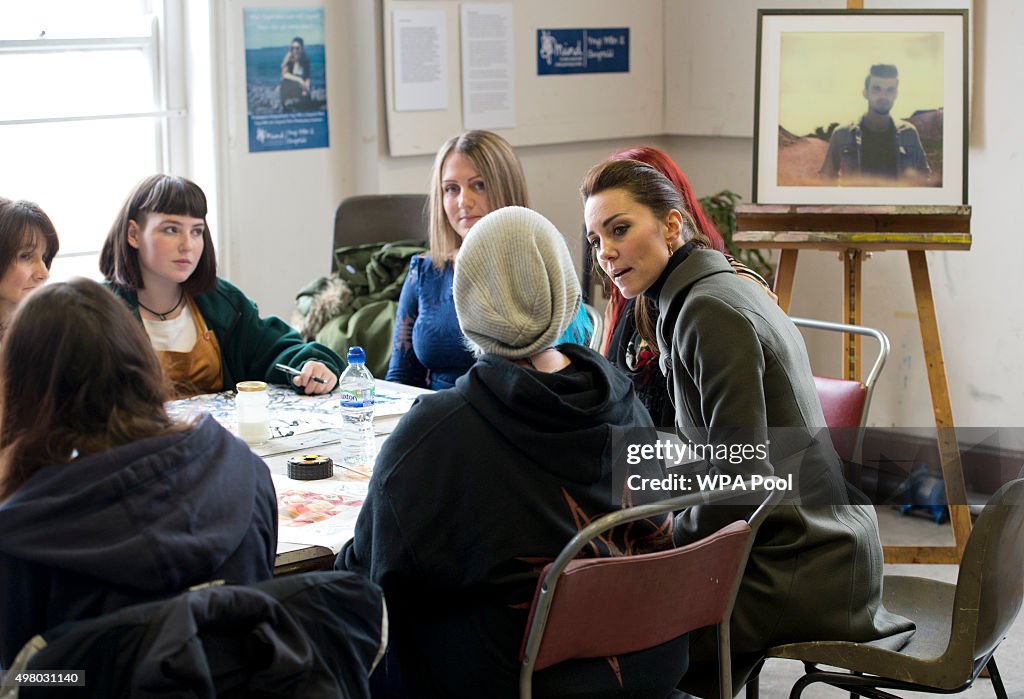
(926, 493)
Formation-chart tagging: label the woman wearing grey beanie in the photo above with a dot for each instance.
(479, 486)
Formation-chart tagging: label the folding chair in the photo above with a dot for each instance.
(600, 607)
(380, 218)
(959, 626)
(597, 320)
(845, 402)
(317, 635)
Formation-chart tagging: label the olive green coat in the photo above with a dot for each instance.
(738, 373)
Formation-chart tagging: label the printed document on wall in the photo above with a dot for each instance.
(488, 77)
(420, 60)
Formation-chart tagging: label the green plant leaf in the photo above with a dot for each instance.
(721, 209)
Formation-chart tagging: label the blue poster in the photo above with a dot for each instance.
(285, 78)
(566, 51)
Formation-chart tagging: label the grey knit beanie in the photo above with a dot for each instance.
(515, 286)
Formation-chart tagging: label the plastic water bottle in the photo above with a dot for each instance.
(357, 392)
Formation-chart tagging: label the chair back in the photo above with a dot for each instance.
(316, 634)
(597, 320)
(844, 402)
(991, 578)
(380, 218)
(609, 606)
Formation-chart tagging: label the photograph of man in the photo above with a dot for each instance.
(876, 149)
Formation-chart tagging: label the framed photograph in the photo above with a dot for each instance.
(861, 107)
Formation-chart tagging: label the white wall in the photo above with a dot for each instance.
(277, 208)
(274, 249)
(980, 319)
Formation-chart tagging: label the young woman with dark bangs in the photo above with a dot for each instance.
(159, 258)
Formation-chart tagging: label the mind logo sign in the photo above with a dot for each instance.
(567, 51)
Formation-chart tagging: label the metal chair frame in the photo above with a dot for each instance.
(884, 349)
(547, 584)
(959, 627)
(597, 320)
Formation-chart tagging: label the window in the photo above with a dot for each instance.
(87, 111)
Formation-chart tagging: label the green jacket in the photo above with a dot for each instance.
(738, 374)
(249, 345)
(374, 273)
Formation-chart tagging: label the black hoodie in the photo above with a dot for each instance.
(139, 522)
(476, 490)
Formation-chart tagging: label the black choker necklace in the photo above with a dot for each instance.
(163, 316)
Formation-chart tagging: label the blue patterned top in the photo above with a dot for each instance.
(428, 349)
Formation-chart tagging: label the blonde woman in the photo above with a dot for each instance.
(474, 174)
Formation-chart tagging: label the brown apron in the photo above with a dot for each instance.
(199, 370)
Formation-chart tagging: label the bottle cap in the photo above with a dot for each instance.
(310, 467)
(248, 386)
(356, 355)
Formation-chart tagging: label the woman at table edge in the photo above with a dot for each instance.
(105, 501)
(622, 344)
(28, 244)
(159, 258)
(739, 375)
(473, 174)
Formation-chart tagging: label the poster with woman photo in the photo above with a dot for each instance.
(285, 78)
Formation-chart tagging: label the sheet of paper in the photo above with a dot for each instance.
(488, 75)
(293, 414)
(321, 512)
(419, 60)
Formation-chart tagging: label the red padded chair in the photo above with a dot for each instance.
(601, 607)
(845, 402)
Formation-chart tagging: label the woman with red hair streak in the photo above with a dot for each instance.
(622, 344)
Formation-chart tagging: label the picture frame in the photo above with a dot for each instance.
(861, 107)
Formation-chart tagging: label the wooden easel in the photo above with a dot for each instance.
(854, 231)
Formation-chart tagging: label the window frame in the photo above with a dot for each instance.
(164, 46)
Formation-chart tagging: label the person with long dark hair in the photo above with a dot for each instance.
(159, 258)
(28, 244)
(296, 77)
(622, 344)
(743, 392)
(105, 500)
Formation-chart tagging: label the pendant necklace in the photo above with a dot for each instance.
(163, 316)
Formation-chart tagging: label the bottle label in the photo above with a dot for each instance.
(357, 398)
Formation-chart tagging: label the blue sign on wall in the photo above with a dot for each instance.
(565, 51)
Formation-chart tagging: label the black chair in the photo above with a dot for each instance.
(959, 627)
(380, 218)
(315, 635)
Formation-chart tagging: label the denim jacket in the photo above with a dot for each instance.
(843, 156)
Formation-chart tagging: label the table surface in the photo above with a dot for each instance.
(315, 517)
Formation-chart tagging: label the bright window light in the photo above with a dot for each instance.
(83, 117)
